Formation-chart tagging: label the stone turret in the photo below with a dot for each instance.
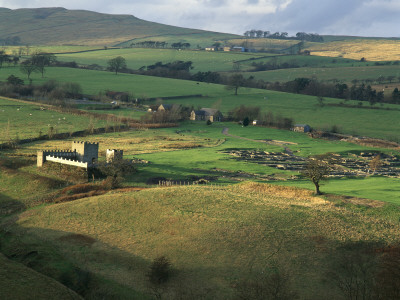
(113, 155)
(86, 152)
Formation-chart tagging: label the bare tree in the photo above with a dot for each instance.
(375, 163)
(42, 60)
(28, 67)
(316, 169)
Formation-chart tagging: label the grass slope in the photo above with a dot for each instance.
(21, 120)
(58, 26)
(214, 237)
(20, 282)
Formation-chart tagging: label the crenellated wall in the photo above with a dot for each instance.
(66, 161)
(41, 155)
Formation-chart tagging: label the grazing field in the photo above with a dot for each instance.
(139, 57)
(198, 40)
(21, 120)
(94, 82)
(195, 150)
(18, 281)
(261, 44)
(343, 73)
(215, 238)
(371, 50)
(303, 109)
(307, 61)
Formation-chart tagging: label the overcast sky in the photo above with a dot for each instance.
(338, 17)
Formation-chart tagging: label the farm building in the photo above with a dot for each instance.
(256, 122)
(161, 107)
(205, 114)
(238, 49)
(301, 128)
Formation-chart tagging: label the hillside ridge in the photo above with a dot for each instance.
(60, 26)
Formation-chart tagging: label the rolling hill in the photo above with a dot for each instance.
(59, 26)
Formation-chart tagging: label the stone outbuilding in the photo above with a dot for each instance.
(205, 114)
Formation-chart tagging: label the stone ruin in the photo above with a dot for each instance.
(82, 154)
(345, 166)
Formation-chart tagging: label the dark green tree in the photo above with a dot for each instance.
(28, 67)
(42, 60)
(116, 64)
(246, 121)
(235, 82)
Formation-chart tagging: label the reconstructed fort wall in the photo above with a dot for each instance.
(41, 155)
(66, 161)
(86, 152)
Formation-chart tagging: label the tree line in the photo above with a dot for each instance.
(302, 36)
(163, 45)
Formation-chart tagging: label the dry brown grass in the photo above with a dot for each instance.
(371, 50)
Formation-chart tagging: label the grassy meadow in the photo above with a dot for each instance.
(196, 40)
(139, 57)
(195, 150)
(215, 238)
(302, 108)
(22, 120)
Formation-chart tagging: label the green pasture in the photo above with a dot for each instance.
(308, 61)
(346, 74)
(302, 108)
(20, 120)
(139, 57)
(94, 82)
(195, 150)
(196, 39)
(374, 187)
(305, 110)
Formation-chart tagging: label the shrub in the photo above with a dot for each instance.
(160, 270)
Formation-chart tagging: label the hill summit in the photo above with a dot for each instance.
(60, 26)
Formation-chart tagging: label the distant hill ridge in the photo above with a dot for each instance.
(60, 26)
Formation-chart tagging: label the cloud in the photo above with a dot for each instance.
(344, 17)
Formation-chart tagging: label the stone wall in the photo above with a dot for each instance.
(42, 155)
(86, 152)
(66, 161)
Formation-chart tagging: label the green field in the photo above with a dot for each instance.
(197, 40)
(346, 74)
(303, 109)
(21, 120)
(137, 58)
(195, 149)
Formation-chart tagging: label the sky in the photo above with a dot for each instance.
(336, 17)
